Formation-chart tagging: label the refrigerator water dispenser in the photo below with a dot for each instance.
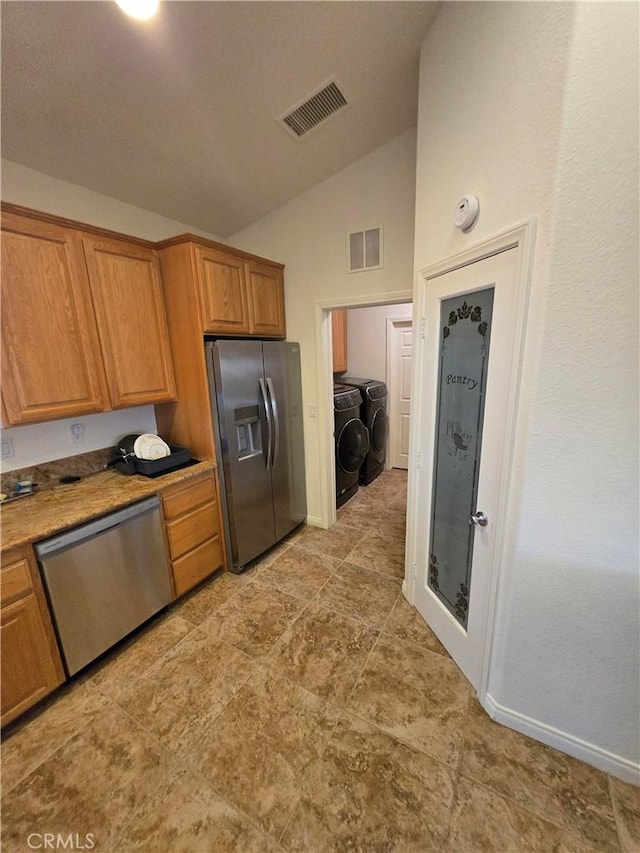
(247, 423)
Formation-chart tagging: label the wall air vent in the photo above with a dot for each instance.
(313, 110)
(365, 250)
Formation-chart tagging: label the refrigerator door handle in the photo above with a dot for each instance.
(267, 413)
(276, 421)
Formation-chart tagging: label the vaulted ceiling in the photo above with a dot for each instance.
(178, 115)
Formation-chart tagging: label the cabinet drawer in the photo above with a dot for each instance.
(197, 564)
(192, 529)
(189, 497)
(15, 581)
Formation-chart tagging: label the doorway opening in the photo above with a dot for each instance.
(364, 353)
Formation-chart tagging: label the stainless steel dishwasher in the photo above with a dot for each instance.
(104, 578)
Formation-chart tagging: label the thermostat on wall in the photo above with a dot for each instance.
(467, 211)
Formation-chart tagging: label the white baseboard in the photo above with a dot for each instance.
(405, 589)
(314, 521)
(613, 764)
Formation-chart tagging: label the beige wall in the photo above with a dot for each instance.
(534, 108)
(309, 235)
(53, 440)
(21, 185)
(367, 339)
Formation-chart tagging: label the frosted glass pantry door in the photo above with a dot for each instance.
(467, 371)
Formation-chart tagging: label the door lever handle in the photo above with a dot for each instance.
(479, 518)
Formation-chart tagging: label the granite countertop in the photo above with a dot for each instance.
(57, 508)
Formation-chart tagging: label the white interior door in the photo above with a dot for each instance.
(468, 364)
(400, 353)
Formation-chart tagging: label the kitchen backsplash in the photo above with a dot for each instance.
(33, 444)
(48, 474)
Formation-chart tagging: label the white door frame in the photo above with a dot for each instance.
(521, 238)
(392, 322)
(322, 323)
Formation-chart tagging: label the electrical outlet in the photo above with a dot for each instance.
(77, 431)
(7, 448)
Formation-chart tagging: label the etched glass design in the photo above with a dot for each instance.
(465, 330)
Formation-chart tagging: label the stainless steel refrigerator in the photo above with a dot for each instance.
(256, 401)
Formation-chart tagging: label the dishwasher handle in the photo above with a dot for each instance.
(91, 529)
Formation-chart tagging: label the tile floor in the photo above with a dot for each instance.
(301, 706)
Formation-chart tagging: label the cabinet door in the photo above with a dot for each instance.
(266, 300)
(31, 666)
(51, 362)
(132, 324)
(339, 337)
(223, 294)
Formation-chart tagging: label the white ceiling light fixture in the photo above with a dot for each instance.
(140, 9)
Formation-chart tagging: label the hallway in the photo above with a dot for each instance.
(301, 706)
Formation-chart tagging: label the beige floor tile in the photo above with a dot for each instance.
(324, 652)
(254, 619)
(381, 519)
(368, 792)
(360, 594)
(381, 553)
(258, 753)
(376, 493)
(400, 502)
(184, 692)
(206, 599)
(335, 542)
(547, 782)
(250, 571)
(406, 624)
(114, 675)
(484, 822)
(94, 784)
(182, 741)
(186, 816)
(400, 475)
(417, 696)
(298, 571)
(626, 807)
(361, 515)
(45, 730)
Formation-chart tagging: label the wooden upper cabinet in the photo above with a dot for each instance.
(265, 287)
(339, 338)
(223, 293)
(239, 296)
(51, 363)
(132, 324)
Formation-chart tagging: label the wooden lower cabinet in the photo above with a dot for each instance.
(197, 564)
(192, 526)
(31, 665)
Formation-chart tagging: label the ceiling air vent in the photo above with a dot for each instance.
(308, 114)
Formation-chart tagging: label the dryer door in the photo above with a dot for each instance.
(352, 445)
(379, 430)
